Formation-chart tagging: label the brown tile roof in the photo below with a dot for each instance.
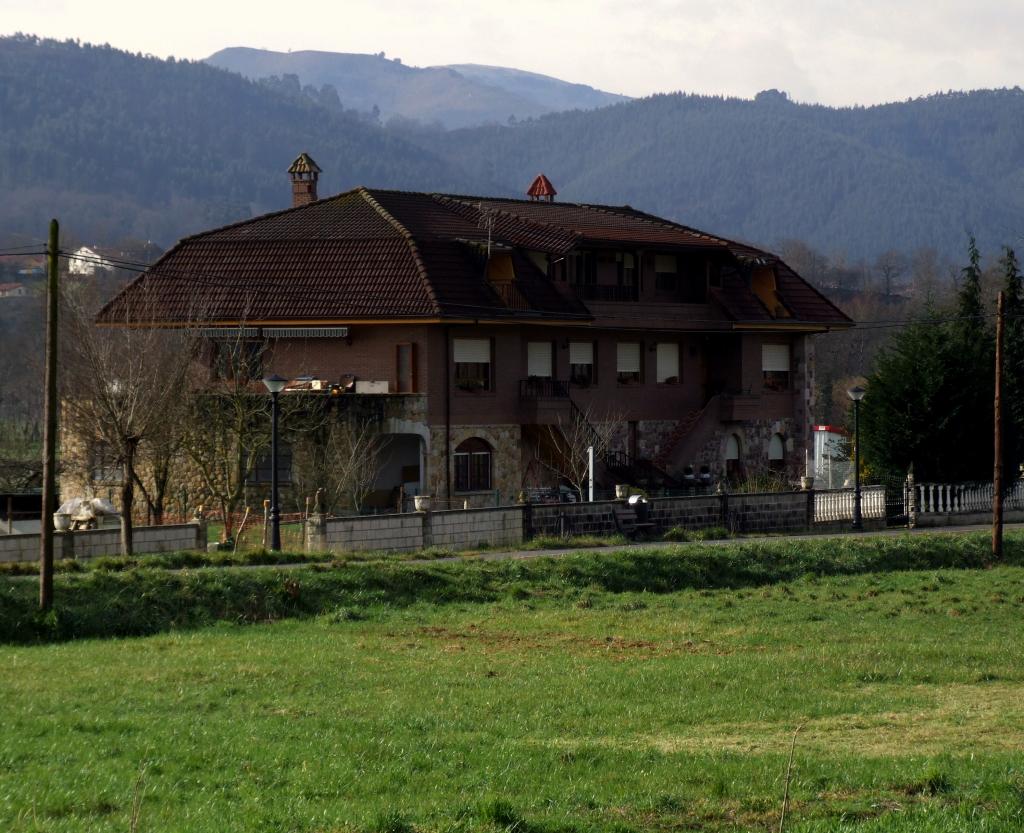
(541, 187)
(372, 254)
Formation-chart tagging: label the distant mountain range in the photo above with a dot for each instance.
(121, 145)
(459, 95)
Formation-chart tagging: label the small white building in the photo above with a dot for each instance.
(833, 468)
(12, 290)
(86, 261)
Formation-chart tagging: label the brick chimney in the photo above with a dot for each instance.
(541, 189)
(304, 173)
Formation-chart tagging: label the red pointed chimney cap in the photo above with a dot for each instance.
(541, 187)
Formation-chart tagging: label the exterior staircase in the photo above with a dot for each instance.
(694, 429)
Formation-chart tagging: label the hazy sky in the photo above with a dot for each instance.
(828, 51)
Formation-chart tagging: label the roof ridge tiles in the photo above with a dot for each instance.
(413, 248)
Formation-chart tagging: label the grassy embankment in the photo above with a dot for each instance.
(594, 693)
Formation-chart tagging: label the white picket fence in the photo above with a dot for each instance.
(837, 504)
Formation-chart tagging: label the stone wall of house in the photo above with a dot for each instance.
(755, 436)
(506, 463)
(93, 543)
(395, 413)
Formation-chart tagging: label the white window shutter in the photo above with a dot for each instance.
(472, 350)
(581, 352)
(538, 359)
(775, 357)
(628, 355)
(668, 361)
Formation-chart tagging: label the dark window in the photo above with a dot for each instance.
(472, 466)
(693, 282)
(263, 470)
(473, 364)
(666, 273)
(628, 362)
(775, 366)
(582, 366)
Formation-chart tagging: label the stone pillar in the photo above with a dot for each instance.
(316, 533)
(199, 519)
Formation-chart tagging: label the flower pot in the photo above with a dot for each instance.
(806, 483)
(61, 521)
(422, 503)
(621, 492)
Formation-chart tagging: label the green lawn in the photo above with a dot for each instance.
(541, 711)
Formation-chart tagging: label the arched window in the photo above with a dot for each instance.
(733, 469)
(472, 466)
(776, 453)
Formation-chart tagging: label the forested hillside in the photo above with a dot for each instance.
(855, 180)
(120, 145)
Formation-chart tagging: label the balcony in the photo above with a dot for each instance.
(544, 401)
(598, 292)
(536, 388)
(736, 407)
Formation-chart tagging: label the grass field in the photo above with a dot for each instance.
(540, 711)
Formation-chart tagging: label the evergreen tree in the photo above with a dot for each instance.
(929, 402)
(1013, 368)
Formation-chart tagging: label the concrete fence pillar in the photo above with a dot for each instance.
(316, 533)
(428, 527)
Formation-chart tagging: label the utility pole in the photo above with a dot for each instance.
(997, 471)
(49, 428)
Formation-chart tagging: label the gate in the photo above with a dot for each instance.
(897, 501)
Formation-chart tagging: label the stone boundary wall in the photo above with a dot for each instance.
(756, 512)
(403, 533)
(498, 527)
(92, 543)
(461, 528)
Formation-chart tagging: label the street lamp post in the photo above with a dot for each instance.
(275, 384)
(856, 393)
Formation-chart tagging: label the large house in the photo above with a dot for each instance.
(488, 321)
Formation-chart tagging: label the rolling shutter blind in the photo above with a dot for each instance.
(628, 355)
(668, 361)
(472, 350)
(775, 357)
(665, 263)
(538, 359)
(581, 352)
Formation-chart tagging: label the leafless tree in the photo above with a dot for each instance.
(227, 425)
(342, 458)
(123, 385)
(566, 444)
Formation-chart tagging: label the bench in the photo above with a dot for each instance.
(627, 524)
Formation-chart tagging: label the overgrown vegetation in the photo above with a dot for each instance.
(591, 695)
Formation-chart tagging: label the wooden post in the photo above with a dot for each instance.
(49, 427)
(997, 471)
